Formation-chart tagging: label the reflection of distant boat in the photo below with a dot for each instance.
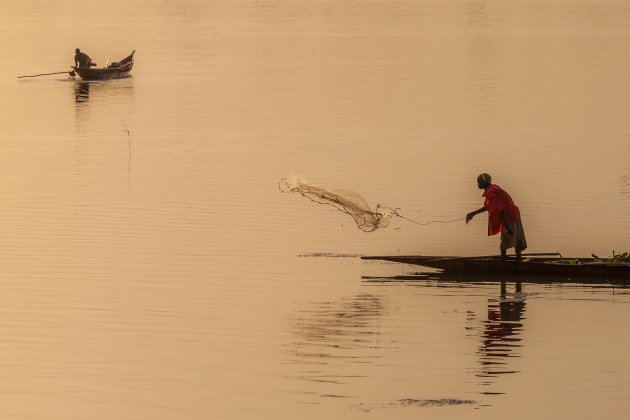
(81, 91)
(554, 266)
(112, 71)
(117, 91)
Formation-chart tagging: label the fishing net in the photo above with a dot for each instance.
(348, 202)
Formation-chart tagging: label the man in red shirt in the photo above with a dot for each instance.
(503, 216)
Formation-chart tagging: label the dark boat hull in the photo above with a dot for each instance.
(118, 71)
(581, 268)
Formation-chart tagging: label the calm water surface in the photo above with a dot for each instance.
(151, 269)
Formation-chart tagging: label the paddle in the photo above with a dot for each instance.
(71, 73)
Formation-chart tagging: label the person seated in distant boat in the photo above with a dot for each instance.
(82, 59)
(503, 216)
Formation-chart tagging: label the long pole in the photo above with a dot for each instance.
(45, 74)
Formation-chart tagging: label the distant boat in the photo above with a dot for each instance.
(586, 269)
(112, 71)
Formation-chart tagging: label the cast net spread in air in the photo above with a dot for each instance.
(349, 202)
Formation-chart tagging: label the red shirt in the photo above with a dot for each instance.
(498, 200)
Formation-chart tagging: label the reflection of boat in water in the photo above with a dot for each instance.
(117, 91)
(498, 336)
(81, 91)
(115, 70)
(541, 269)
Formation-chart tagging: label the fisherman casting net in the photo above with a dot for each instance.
(348, 202)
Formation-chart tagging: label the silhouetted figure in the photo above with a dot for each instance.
(82, 59)
(503, 216)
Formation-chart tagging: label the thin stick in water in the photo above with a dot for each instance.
(128, 135)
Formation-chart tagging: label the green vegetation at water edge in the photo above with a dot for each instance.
(623, 257)
(564, 262)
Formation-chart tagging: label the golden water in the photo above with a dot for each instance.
(159, 274)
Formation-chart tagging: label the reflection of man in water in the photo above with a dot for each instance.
(81, 91)
(501, 331)
(82, 59)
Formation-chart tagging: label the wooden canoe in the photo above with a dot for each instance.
(546, 267)
(115, 70)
